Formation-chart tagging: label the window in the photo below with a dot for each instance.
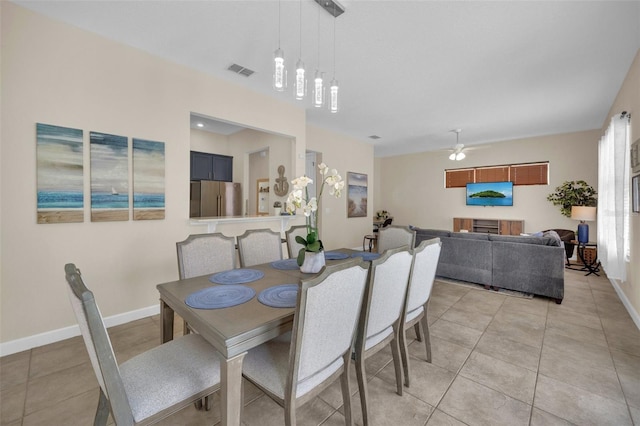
(519, 174)
(530, 174)
(459, 178)
(613, 198)
(492, 174)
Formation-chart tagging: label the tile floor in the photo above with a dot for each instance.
(497, 360)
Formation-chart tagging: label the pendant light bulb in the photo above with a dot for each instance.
(301, 82)
(333, 96)
(279, 71)
(318, 89)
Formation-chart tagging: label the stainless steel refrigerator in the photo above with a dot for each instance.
(212, 198)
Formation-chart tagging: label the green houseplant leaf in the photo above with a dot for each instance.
(573, 193)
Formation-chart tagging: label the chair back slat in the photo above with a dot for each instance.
(425, 262)
(98, 345)
(258, 246)
(395, 236)
(204, 254)
(326, 317)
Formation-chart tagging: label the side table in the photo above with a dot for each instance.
(591, 264)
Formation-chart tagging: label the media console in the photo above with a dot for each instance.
(490, 226)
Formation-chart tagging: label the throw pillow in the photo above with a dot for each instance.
(554, 235)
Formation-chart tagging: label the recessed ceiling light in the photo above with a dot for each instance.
(374, 137)
(199, 124)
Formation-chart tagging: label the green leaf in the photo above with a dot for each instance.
(315, 246)
(312, 238)
(300, 258)
(301, 240)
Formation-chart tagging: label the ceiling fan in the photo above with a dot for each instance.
(457, 154)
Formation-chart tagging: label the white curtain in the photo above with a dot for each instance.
(613, 198)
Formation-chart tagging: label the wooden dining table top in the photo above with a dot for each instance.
(233, 330)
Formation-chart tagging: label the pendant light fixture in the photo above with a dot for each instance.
(333, 86)
(318, 83)
(279, 70)
(301, 82)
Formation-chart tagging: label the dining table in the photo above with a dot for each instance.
(233, 330)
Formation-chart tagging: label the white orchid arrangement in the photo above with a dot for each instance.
(299, 199)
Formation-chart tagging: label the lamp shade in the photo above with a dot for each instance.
(583, 213)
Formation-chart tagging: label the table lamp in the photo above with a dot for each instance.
(583, 214)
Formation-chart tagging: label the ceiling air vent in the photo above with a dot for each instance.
(374, 137)
(239, 69)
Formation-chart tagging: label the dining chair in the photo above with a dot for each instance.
(423, 272)
(258, 246)
(293, 247)
(203, 254)
(381, 317)
(150, 386)
(394, 237)
(373, 238)
(293, 369)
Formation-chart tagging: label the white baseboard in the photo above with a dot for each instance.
(30, 342)
(627, 304)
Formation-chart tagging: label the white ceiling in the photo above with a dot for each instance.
(409, 71)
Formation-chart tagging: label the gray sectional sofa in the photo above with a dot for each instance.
(521, 263)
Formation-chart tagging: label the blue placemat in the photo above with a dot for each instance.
(279, 296)
(236, 276)
(335, 255)
(220, 297)
(366, 255)
(286, 264)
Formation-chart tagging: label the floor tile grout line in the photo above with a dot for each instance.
(26, 388)
(437, 406)
(535, 386)
(613, 362)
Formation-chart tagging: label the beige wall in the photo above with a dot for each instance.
(345, 155)
(412, 186)
(57, 74)
(628, 99)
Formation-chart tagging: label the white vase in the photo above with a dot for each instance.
(313, 262)
(276, 211)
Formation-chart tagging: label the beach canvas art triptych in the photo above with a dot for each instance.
(61, 176)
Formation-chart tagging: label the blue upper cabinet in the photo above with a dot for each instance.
(205, 166)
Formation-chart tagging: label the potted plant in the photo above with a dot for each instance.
(573, 193)
(382, 214)
(277, 207)
(311, 255)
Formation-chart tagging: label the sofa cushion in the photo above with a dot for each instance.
(466, 260)
(544, 241)
(471, 235)
(554, 235)
(428, 234)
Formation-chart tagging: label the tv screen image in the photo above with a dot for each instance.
(490, 194)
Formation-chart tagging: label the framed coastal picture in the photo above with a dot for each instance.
(109, 177)
(60, 174)
(356, 194)
(148, 179)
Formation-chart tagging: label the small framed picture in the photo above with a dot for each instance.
(635, 157)
(635, 194)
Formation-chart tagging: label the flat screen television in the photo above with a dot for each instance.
(490, 194)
